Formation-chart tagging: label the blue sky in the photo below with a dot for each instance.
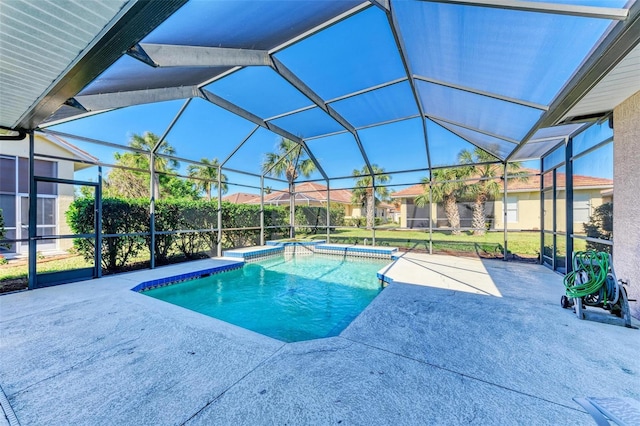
(511, 53)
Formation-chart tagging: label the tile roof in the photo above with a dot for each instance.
(240, 198)
(531, 184)
(308, 191)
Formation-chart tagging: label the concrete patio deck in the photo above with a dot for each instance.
(450, 341)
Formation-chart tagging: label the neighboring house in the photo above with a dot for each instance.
(53, 199)
(312, 194)
(523, 204)
(240, 198)
(387, 212)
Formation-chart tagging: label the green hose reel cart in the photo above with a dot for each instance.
(593, 282)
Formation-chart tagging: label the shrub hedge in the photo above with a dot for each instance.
(131, 216)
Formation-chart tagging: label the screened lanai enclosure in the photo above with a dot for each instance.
(138, 133)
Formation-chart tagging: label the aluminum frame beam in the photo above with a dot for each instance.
(107, 101)
(46, 124)
(543, 7)
(170, 126)
(302, 87)
(393, 25)
(239, 111)
(382, 4)
(235, 109)
(464, 126)
(237, 148)
(127, 29)
(368, 89)
(93, 141)
(621, 40)
(482, 93)
(170, 55)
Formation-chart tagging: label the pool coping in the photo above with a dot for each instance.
(273, 248)
(175, 279)
(239, 257)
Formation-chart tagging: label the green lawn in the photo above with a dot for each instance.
(19, 269)
(525, 244)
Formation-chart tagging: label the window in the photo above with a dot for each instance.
(512, 209)
(581, 207)
(41, 168)
(8, 169)
(14, 200)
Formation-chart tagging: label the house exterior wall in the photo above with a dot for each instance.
(65, 170)
(626, 207)
(528, 210)
(356, 211)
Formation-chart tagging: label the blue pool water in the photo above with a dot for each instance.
(293, 299)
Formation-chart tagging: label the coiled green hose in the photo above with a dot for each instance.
(590, 272)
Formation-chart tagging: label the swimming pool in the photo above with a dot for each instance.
(292, 299)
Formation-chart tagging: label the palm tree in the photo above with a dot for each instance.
(132, 183)
(288, 161)
(364, 192)
(446, 189)
(488, 184)
(206, 176)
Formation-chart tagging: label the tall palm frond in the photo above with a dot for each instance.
(364, 193)
(206, 176)
(289, 161)
(488, 184)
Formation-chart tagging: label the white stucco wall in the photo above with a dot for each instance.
(626, 202)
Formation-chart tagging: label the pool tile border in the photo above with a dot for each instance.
(359, 251)
(311, 247)
(165, 281)
(275, 248)
(253, 255)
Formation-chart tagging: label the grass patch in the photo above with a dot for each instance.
(523, 244)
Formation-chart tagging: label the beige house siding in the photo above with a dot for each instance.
(528, 210)
(353, 211)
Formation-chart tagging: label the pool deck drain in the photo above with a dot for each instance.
(487, 343)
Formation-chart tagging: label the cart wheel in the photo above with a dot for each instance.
(564, 302)
(624, 305)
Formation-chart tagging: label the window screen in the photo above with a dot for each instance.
(42, 168)
(8, 173)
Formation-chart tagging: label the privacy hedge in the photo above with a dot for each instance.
(129, 216)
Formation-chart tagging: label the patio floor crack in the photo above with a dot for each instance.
(260, 364)
(468, 376)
